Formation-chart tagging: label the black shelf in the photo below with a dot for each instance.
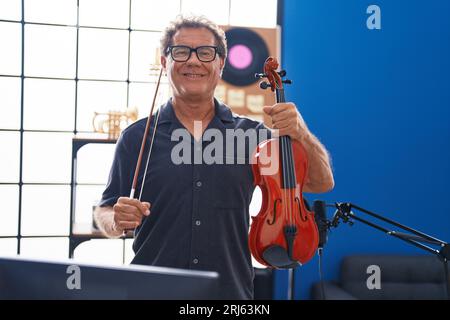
(80, 233)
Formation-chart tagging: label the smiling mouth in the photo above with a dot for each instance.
(193, 75)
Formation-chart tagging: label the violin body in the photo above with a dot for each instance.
(284, 233)
(282, 207)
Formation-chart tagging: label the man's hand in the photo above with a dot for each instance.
(128, 213)
(287, 120)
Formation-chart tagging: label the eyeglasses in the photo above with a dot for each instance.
(183, 53)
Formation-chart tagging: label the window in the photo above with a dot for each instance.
(11, 42)
(54, 74)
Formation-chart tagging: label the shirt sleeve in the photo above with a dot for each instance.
(264, 132)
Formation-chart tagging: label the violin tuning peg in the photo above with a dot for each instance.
(282, 73)
(260, 75)
(287, 81)
(264, 85)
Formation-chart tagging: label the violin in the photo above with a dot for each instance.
(284, 233)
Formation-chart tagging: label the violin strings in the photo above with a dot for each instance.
(285, 178)
(291, 173)
(288, 178)
(286, 175)
(292, 178)
(288, 167)
(281, 154)
(284, 165)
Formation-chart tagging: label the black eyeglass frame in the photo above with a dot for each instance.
(170, 48)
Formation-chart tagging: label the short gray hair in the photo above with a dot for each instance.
(196, 22)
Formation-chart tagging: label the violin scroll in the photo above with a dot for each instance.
(275, 77)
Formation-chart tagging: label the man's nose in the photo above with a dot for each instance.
(193, 59)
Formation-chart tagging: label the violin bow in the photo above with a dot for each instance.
(144, 140)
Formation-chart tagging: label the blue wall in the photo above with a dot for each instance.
(380, 102)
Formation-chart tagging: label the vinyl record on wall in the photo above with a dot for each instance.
(247, 53)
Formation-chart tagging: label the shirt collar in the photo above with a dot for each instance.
(222, 111)
(168, 115)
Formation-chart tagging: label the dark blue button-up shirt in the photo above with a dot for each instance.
(199, 212)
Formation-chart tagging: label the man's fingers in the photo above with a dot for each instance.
(282, 125)
(122, 211)
(281, 107)
(130, 212)
(127, 225)
(143, 208)
(127, 213)
(147, 208)
(130, 201)
(127, 217)
(283, 116)
(147, 204)
(268, 110)
(129, 209)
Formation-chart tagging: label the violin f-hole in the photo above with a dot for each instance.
(304, 218)
(274, 212)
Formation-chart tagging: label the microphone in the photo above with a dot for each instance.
(320, 215)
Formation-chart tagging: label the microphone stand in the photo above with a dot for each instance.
(414, 237)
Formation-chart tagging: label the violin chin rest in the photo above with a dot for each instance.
(278, 257)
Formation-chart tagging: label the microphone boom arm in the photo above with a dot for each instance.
(344, 212)
(414, 237)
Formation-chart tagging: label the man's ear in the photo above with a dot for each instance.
(163, 62)
(222, 65)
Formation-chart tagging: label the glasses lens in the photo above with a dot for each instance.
(180, 53)
(206, 54)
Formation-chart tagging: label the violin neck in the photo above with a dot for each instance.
(280, 95)
(281, 99)
(287, 159)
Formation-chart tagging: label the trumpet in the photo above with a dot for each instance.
(113, 122)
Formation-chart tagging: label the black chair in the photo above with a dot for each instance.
(401, 277)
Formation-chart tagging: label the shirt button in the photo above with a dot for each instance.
(199, 183)
(195, 261)
(198, 222)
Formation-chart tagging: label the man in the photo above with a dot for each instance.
(199, 212)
